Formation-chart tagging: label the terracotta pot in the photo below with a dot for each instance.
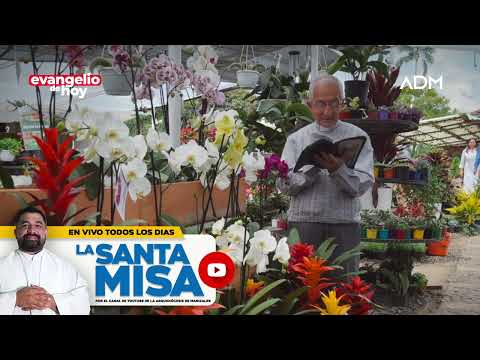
(343, 115)
(178, 201)
(373, 115)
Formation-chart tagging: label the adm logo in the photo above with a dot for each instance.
(421, 82)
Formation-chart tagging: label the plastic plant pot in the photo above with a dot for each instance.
(402, 172)
(356, 114)
(412, 175)
(376, 171)
(344, 115)
(428, 233)
(383, 234)
(388, 173)
(408, 234)
(373, 115)
(400, 234)
(383, 115)
(393, 115)
(372, 234)
(418, 234)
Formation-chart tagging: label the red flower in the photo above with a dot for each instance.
(298, 252)
(358, 294)
(52, 175)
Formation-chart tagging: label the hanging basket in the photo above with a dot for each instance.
(114, 83)
(247, 78)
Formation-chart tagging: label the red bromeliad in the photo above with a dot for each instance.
(358, 294)
(52, 175)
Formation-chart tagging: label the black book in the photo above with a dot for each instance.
(347, 149)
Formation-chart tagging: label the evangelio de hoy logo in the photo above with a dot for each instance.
(421, 82)
(67, 85)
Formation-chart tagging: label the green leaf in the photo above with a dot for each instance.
(300, 109)
(263, 306)
(168, 220)
(293, 237)
(291, 299)
(356, 251)
(333, 68)
(322, 249)
(6, 179)
(233, 310)
(252, 227)
(306, 312)
(379, 66)
(259, 296)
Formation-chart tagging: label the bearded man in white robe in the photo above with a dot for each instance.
(33, 280)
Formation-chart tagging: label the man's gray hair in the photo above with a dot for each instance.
(327, 78)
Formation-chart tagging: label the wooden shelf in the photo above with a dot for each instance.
(405, 241)
(373, 127)
(398, 181)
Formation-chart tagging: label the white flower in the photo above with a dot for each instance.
(236, 234)
(252, 163)
(222, 181)
(158, 141)
(114, 150)
(263, 241)
(222, 241)
(236, 253)
(255, 257)
(191, 154)
(282, 253)
(218, 226)
(140, 146)
(74, 121)
(212, 151)
(112, 129)
(175, 163)
(207, 52)
(139, 188)
(92, 123)
(134, 170)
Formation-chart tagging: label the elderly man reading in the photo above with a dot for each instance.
(325, 198)
(33, 280)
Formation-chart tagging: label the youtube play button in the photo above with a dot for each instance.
(216, 270)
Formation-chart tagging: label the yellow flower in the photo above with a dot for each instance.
(253, 287)
(331, 304)
(240, 141)
(233, 157)
(225, 122)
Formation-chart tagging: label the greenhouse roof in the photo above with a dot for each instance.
(446, 131)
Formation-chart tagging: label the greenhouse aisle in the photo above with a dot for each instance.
(462, 294)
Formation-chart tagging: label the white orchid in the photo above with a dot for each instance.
(252, 163)
(207, 52)
(237, 234)
(236, 253)
(158, 141)
(222, 241)
(282, 253)
(114, 150)
(218, 226)
(264, 241)
(112, 129)
(190, 154)
(134, 169)
(140, 146)
(256, 257)
(74, 121)
(139, 188)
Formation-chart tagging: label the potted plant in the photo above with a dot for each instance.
(369, 222)
(248, 71)
(372, 111)
(344, 112)
(354, 107)
(418, 228)
(355, 60)
(382, 91)
(115, 79)
(9, 149)
(402, 168)
(393, 112)
(410, 114)
(383, 112)
(402, 229)
(382, 231)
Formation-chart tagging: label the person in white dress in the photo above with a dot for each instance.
(33, 280)
(467, 168)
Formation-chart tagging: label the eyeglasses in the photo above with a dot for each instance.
(322, 105)
(26, 226)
